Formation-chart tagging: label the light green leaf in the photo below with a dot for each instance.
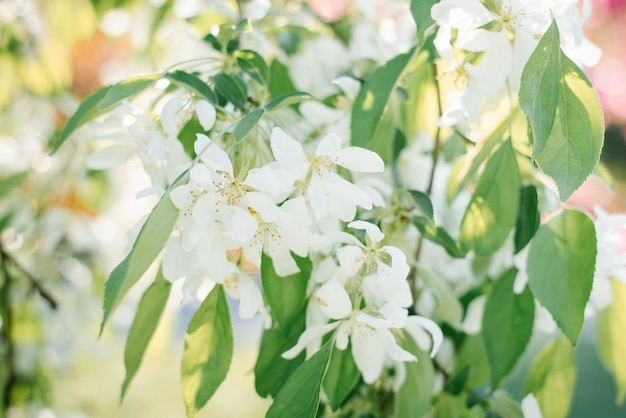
(300, 397)
(413, 399)
(504, 406)
(254, 65)
(561, 264)
(564, 113)
(149, 243)
(285, 295)
(288, 100)
(271, 370)
(611, 341)
(552, 377)
(231, 88)
(492, 211)
(146, 320)
(420, 10)
(8, 183)
(370, 104)
(247, 123)
(192, 83)
(507, 325)
(208, 351)
(473, 354)
(341, 377)
(528, 217)
(100, 102)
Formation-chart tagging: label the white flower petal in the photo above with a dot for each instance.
(329, 145)
(206, 114)
(286, 150)
(530, 407)
(169, 116)
(373, 231)
(334, 300)
(360, 159)
(311, 336)
(110, 157)
(251, 300)
(201, 145)
(416, 321)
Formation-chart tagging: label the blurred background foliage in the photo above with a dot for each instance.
(63, 226)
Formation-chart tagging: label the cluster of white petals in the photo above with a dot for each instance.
(611, 257)
(487, 44)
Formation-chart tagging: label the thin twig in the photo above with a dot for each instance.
(7, 333)
(34, 283)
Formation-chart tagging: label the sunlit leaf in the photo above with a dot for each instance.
(507, 325)
(611, 341)
(300, 397)
(492, 211)
(564, 113)
(420, 10)
(561, 264)
(208, 351)
(552, 377)
(146, 320)
(370, 104)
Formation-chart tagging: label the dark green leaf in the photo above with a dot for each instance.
(561, 264)
(230, 87)
(101, 101)
(285, 295)
(399, 143)
(341, 377)
(208, 351)
(420, 9)
(247, 123)
(564, 113)
(271, 370)
(149, 243)
(438, 235)
(477, 395)
(413, 399)
(280, 83)
(300, 397)
(458, 381)
(423, 204)
(370, 104)
(288, 100)
(492, 211)
(192, 83)
(527, 218)
(552, 377)
(507, 325)
(254, 65)
(146, 320)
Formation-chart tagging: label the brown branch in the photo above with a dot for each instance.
(34, 283)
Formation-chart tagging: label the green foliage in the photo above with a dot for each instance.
(561, 264)
(208, 351)
(492, 211)
(507, 325)
(564, 113)
(341, 377)
(288, 100)
(231, 88)
(552, 377)
(192, 83)
(528, 217)
(247, 123)
(254, 65)
(149, 243)
(9, 183)
(285, 295)
(371, 102)
(611, 338)
(146, 320)
(420, 10)
(413, 399)
(100, 102)
(300, 396)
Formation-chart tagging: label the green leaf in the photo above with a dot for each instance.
(564, 114)
(552, 377)
(149, 243)
(341, 377)
(280, 83)
(457, 382)
(247, 123)
(8, 183)
(285, 295)
(492, 211)
(288, 100)
(420, 10)
(254, 65)
(192, 83)
(528, 217)
(146, 320)
(413, 399)
(208, 351)
(477, 395)
(507, 325)
(474, 354)
(438, 235)
(271, 370)
(505, 406)
(561, 264)
(300, 397)
(611, 340)
(101, 101)
(230, 87)
(423, 204)
(370, 104)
